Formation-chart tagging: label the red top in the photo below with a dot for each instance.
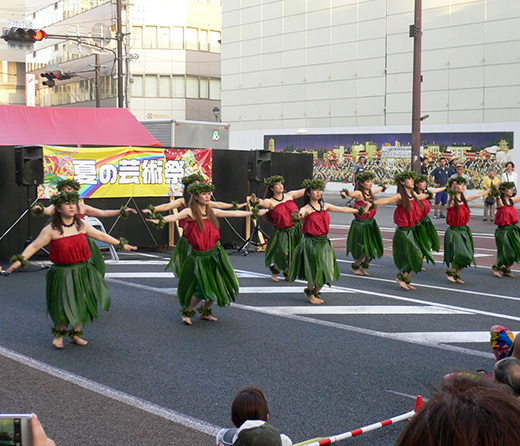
(460, 218)
(407, 219)
(69, 250)
(426, 208)
(361, 204)
(282, 213)
(316, 223)
(506, 215)
(182, 223)
(201, 241)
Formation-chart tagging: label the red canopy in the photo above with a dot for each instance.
(20, 125)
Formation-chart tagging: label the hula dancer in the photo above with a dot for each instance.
(507, 233)
(75, 288)
(364, 241)
(183, 248)
(86, 211)
(287, 231)
(425, 231)
(407, 253)
(458, 240)
(314, 259)
(207, 273)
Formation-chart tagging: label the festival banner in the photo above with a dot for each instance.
(116, 172)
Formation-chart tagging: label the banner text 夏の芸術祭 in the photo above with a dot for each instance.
(111, 172)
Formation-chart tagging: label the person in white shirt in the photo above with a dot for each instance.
(510, 175)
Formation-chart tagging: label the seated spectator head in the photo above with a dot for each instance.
(249, 404)
(507, 372)
(501, 341)
(265, 435)
(465, 412)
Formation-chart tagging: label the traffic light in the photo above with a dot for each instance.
(56, 74)
(23, 35)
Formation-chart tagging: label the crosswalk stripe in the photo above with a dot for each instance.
(447, 337)
(361, 309)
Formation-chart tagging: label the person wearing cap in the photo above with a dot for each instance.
(75, 288)
(439, 177)
(460, 172)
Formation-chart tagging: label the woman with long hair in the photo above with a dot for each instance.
(425, 231)
(183, 248)
(458, 241)
(207, 273)
(75, 288)
(287, 231)
(408, 256)
(507, 233)
(314, 259)
(364, 241)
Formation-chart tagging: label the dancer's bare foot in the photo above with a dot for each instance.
(77, 340)
(402, 284)
(275, 277)
(451, 278)
(314, 300)
(509, 275)
(208, 318)
(365, 272)
(459, 280)
(186, 320)
(423, 269)
(496, 273)
(357, 271)
(410, 287)
(57, 342)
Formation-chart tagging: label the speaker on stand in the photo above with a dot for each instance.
(29, 173)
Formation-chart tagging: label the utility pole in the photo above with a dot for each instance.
(416, 33)
(98, 81)
(119, 37)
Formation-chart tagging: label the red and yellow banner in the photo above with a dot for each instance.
(114, 172)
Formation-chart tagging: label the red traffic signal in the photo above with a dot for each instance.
(23, 35)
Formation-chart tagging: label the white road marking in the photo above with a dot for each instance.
(447, 337)
(109, 392)
(169, 275)
(360, 309)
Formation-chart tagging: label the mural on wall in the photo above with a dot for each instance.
(388, 153)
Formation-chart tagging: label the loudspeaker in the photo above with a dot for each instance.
(259, 165)
(29, 165)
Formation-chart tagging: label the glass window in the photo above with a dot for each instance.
(204, 88)
(214, 89)
(178, 87)
(150, 86)
(192, 87)
(164, 87)
(216, 2)
(137, 86)
(177, 37)
(137, 37)
(150, 37)
(204, 43)
(164, 37)
(214, 41)
(192, 39)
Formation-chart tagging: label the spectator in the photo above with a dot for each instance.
(489, 202)
(248, 412)
(358, 168)
(510, 175)
(424, 166)
(264, 435)
(507, 373)
(440, 176)
(452, 168)
(469, 412)
(460, 172)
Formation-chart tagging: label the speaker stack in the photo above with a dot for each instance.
(29, 165)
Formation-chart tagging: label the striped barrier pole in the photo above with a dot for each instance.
(362, 430)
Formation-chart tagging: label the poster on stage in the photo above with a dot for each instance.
(115, 172)
(335, 155)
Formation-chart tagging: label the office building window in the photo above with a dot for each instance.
(192, 39)
(165, 90)
(150, 86)
(204, 88)
(177, 38)
(192, 87)
(204, 43)
(178, 87)
(150, 37)
(214, 41)
(137, 37)
(214, 89)
(137, 86)
(164, 37)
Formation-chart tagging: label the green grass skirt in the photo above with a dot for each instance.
(427, 238)
(182, 251)
(96, 256)
(314, 261)
(507, 239)
(458, 247)
(208, 275)
(280, 249)
(74, 293)
(407, 253)
(364, 238)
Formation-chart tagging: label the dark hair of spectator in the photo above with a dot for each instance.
(503, 373)
(512, 164)
(249, 404)
(467, 411)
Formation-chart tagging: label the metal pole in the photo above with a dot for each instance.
(98, 81)
(416, 92)
(119, 32)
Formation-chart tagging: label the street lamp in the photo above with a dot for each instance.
(216, 112)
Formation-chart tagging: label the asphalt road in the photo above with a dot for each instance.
(145, 378)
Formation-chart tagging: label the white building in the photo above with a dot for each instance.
(171, 56)
(319, 66)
